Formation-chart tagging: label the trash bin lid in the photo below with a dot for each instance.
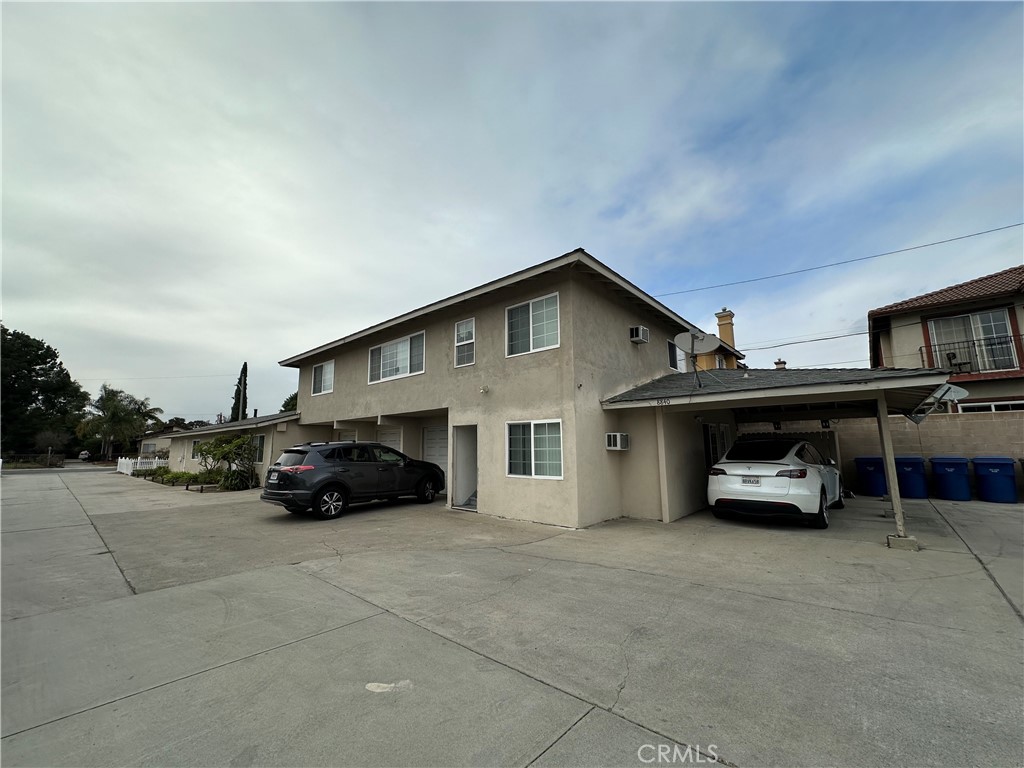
(992, 460)
(949, 459)
(910, 459)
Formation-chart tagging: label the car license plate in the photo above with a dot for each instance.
(273, 476)
(750, 481)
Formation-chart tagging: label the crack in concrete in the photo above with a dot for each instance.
(332, 547)
(623, 648)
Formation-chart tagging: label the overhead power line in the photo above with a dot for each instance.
(839, 263)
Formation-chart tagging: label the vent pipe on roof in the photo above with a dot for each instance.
(780, 364)
(255, 412)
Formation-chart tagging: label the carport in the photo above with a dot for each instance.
(786, 395)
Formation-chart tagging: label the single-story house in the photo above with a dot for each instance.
(269, 433)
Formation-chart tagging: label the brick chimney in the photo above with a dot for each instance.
(725, 329)
(780, 364)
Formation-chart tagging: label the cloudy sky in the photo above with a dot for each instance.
(182, 182)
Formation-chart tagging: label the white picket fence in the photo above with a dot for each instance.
(129, 466)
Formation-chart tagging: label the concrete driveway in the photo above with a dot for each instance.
(144, 625)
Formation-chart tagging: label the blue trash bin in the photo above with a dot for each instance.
(910, 475)
(995, 480)
(952, 479)
(871, 474)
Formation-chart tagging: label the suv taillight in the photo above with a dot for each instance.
(796, 474)
(716, 471)
(297, 469)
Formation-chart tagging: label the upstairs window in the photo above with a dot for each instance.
(323, 378)
(532, 326)
(675, 357)
(465, 342)
(398, 358)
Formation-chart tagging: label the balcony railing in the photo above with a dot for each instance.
(996, 353)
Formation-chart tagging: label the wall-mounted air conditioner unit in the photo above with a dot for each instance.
(639, 334)
(616, 441)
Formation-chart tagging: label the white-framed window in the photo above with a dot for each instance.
(465, 342)
(398, 358)
(149, 448)
(676, 359)
(719, 361)
(1006, 405)
(195, 445)
(323, 378)
(532, 326)
(534, 449)
(257, 441)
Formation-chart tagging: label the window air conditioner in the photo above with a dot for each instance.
(616, 441)
(639, 334)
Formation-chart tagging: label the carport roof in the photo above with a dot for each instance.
(905, 388)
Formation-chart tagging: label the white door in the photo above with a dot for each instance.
(390, 436)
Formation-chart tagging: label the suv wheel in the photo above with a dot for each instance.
(426, 491)
(330, 503)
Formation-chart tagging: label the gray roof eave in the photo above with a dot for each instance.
(846, 384)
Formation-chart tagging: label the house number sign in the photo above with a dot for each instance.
(665, 401)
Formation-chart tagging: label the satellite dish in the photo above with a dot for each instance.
(697, 342)
(953, 392)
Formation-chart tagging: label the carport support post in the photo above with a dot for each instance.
(900, 540)
(659, 421)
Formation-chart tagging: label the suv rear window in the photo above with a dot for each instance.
(760, 450)
(291, 458)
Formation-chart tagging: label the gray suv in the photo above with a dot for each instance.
(329, 476)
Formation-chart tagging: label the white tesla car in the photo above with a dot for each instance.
(775, 477)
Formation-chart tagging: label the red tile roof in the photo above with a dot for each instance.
(1005, 283)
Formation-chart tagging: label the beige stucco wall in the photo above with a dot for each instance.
(612, 483)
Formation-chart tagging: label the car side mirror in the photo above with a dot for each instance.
(831, 462)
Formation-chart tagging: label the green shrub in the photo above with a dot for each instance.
(237, 480)
(161, 471)
(178, 478)
(210, 476)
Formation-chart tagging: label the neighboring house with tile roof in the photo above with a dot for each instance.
(973, 329)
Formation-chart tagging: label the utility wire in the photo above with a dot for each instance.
(838, 263)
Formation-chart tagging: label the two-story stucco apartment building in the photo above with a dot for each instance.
(502, 385)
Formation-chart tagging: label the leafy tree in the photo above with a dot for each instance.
(290, 403)
(118, 418)
(238, 452)
(177, 422)
(37, 394)
(238, 407)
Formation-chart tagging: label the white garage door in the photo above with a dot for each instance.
(435, 446)
(390, 436)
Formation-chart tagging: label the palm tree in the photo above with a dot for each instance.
(118, 417)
